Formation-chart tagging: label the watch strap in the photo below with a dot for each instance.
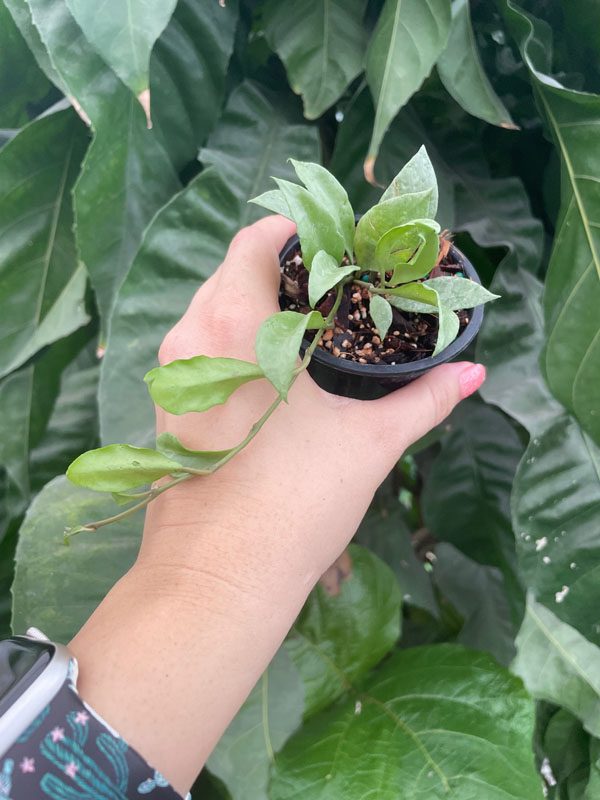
(70, 753)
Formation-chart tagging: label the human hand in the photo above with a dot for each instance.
(304, 483)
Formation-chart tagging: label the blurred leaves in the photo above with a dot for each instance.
(42, 284)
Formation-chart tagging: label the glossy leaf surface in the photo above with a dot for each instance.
(277, 343)
(445, 720)
(409, 37)
(345, 629)
(123, 34)
(383, 217)
(325, 273)
(559, 665)
(42, 284)
(321, 43)
(118, 467)
(381, 314)
(82, 573)
(462, 72)
(198, 383)
(572, 292)
(254, 140)
(417, 175)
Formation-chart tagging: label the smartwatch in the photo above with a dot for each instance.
(53, 744)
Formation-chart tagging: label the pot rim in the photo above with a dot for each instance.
(410, 367)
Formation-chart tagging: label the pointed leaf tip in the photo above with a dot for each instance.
(144, 100)
(369, 170)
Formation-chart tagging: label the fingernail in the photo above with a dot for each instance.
(470, 379)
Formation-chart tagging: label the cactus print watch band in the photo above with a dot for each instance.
(70, 753)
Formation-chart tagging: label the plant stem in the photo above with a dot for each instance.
(192, 473)
(151, 495)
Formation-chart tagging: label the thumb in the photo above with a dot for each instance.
(417, 408)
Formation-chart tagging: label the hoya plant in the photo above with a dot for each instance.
(386, 259)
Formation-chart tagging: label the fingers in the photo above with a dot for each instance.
(226, 311)
(409, 413)
(250, 275)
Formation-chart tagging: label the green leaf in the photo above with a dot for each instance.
(198, 383)
(198, 41)
(75, 579)
(119, 467)
(417, 175)
(406, 43)
(456, 293)
(112, 206)
(253, 139)
(43, 286)
(448, 326)
(243, 756)
(325, 273)
(169, 445)
(479, 594)
(332, 196)
(321, 43)
(572, 292)
(385, 532)
(559, 665)
(23, 86)
(414, 297)
(556, 486)
(444, 721)
(124, 34)
(381, 218)
(277, 344)
(340, 636)
(462, 73)
(381, 314)
(182, 246)
(555, 509)
(317, 229)
(410, 251)
(471, 481)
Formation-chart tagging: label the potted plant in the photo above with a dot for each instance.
(371, 304)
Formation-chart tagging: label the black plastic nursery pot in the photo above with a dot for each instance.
(370, 381)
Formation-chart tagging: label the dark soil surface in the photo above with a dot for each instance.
(411, 336)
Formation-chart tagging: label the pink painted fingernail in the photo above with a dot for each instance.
(471, 379)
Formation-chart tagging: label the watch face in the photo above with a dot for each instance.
(22, 660)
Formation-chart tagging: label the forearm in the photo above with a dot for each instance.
(174, 649)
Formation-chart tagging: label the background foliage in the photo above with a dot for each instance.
(459, 653)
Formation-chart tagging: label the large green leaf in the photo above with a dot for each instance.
(559, 665)
(57, 587)
(557, 483)
(462, 73)
(112, 206)
(572, 292)
(123, 33)
(182, 246)
(466, 499)
(42, 285)
(23, 85)
(272, 712)
(198, 41)
(408, 38)
(433, 722)
(385, 531)
(340, 636)
(556, 515)
(478, 593)
(321, 43)
(253, 140)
